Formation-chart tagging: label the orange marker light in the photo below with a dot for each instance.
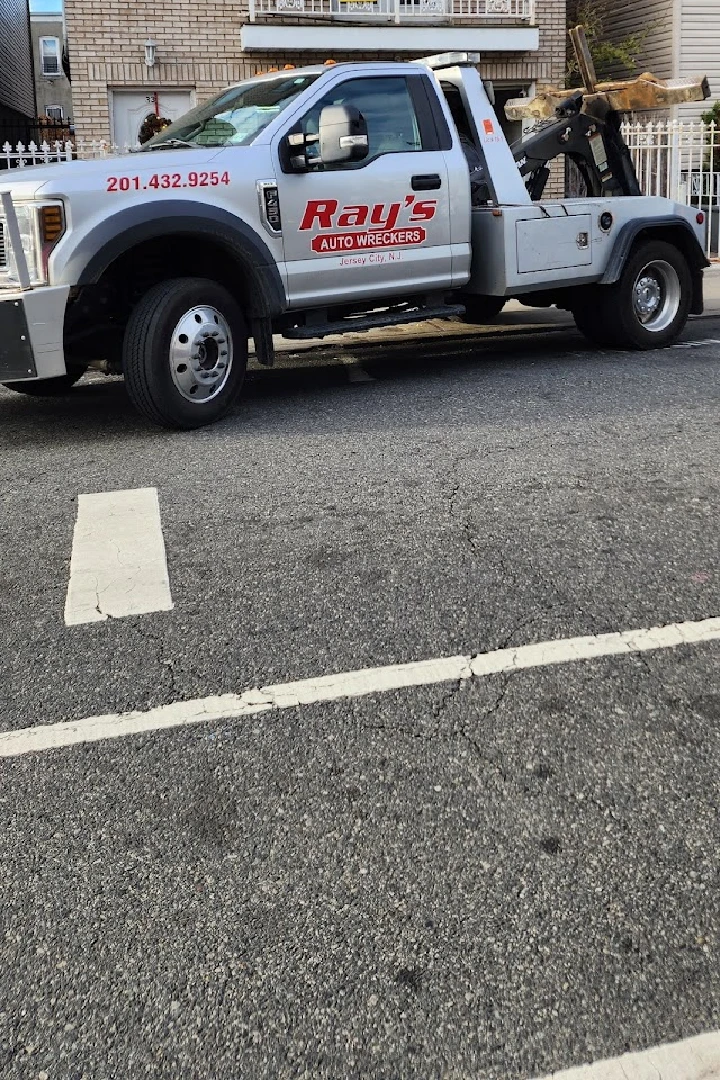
(52, 225)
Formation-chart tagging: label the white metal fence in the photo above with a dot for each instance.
(681, 161)
(18, 155)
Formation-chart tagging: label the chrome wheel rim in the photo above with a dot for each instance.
(201, 354)
(656, 296)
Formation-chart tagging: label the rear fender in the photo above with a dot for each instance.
(674, 230)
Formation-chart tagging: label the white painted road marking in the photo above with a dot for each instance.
(691, 1059)
(352, 684)
(696, 344)
(118, 564)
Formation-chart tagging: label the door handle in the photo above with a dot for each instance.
(426, 182)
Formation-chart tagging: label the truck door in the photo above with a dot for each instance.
(380, 226)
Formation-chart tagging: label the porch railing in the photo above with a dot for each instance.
(395, 10)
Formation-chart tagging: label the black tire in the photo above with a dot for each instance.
(481, 310)
(593, 323)
(152, 346)
(648, 307)
(62, 384)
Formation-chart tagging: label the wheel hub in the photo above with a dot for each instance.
(657, 296)
(201, 354)
(649, 295)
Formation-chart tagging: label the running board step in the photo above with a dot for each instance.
(370, 322)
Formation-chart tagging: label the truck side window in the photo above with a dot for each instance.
(387, 106)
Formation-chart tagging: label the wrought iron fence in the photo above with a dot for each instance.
(37, 131)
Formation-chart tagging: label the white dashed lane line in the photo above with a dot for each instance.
(696, 344)
(118, 564)
(353, 684)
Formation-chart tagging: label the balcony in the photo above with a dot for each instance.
(414, 27)
(396, 11)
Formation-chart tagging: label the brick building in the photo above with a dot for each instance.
(140, 56)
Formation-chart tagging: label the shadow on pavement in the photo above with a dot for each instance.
(299, 394)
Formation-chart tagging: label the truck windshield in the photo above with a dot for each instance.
(234, 118)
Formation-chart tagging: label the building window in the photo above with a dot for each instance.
(55, 112)
(50, 55)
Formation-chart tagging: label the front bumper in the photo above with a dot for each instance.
(31, 333)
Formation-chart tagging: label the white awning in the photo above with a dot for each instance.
(257, 37)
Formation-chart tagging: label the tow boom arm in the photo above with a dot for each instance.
(585, 125)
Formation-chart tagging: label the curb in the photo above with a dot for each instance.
(350, 341)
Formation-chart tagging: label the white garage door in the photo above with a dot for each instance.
(130, 107)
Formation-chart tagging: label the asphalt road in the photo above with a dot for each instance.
(490, 880)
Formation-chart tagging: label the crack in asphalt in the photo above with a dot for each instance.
(146, 635)
(455, 688)
(488, 714)
(466, 521)
(158, 644)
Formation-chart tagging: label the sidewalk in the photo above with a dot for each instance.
(516, 318)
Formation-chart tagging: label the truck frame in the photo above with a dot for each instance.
(333, 198)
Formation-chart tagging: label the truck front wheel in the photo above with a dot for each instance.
(185, 353)
(648, 307)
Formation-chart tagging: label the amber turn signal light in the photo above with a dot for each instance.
(52, 224)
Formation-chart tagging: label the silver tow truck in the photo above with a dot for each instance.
(323, 199)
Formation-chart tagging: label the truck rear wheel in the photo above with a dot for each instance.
(648, 307)
(48, 387)
(185, 353)
(480, 310)
(592, 321)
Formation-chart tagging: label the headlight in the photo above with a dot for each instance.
(40, 225)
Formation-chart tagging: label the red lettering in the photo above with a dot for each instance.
(423, 211)
(319, 212)
(352, 215)
(388, 222)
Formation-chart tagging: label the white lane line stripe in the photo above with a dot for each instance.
(691, 1059)
(118, 564)
(351, 684)
(696, 344)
